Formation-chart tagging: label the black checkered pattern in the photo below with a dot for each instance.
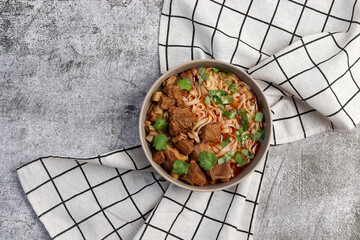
(305, 57)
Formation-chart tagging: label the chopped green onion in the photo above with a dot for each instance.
(239, 159)
(258, 117)
(259, 135)
(234, 89)
(261, 104)
(212, 93)
(203, 75)
(243, 137)
(229, 114)
(232, 114)
(239, 132)
(207, 100)
(224, 70)
(215, 70)
(244, 124)
(225, 113)
(247, 153)
(221, 97)
(225, 158)
(244, 118)
(225, 142)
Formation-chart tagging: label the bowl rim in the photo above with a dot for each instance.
(262, 152)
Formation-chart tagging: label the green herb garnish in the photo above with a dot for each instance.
(239, 159)
(244, 118)
(221, 97)
(247, 153)
(239, 132)
(207, 160)
(225, 113)
(160, 124)
(207, 100)
(244, 124)
(242, 138)
(160, 141)
(225, 158)
(224, 70)
(215, 70)
(180, 167)
(258, 117)
(261, 104)
(243, 114)
(203, 75)
(225, 142)
(259, 135)
(233, 88)
(184, 83)
(232, 114)
(228, 114)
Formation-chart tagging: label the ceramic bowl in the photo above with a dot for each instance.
(243, 76)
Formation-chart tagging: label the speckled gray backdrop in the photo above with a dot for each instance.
(72, 78)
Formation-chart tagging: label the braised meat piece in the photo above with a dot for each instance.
(194, 176)
(174, 91)
(170, 81)
(185, 146)
(171, 155)
(221, 172)
(181, 120)
(211, 133)
(198, 148)
(158, 157)
(178, 138)
(187, 74)
(166, 102)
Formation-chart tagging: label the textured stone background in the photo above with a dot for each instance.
(72, 78)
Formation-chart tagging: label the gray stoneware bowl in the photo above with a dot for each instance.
(256, 89)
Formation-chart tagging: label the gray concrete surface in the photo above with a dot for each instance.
(72, 78)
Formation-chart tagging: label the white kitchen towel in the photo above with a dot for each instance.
(304, 54)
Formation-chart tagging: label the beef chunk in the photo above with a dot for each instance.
(178, 138)
(174, 91)
(185, 146)
(194, 176)
(221, 172)
(181, 120)
(198, 148)
(187, 74)
(211, 133)
(170, 81)
(158, 157)
(171, 155)
(166, 102)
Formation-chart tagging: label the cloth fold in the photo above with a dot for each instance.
(303, 55)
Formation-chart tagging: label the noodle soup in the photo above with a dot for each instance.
(204, 126)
